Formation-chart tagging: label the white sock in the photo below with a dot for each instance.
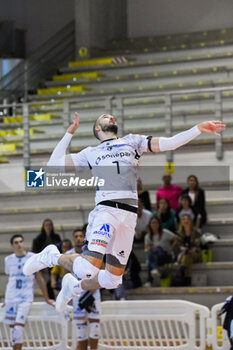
(77, 288)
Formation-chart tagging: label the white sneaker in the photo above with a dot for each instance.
(155, 273)
(71, 287)
(41, 260)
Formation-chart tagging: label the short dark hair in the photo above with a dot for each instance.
(78, 229)
(15, 236)
(67, 240)
(94, 131)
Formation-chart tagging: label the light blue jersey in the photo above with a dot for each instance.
(19, 287)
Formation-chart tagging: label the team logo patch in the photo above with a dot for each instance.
(35, 178)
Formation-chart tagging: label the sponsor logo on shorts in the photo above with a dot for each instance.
(11, 310)
(10, 318)
(121, 253)
(104, 231)
(99, 242)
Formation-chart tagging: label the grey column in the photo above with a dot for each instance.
(97, 22)
(82, 25)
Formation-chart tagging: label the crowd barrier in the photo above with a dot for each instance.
(144, 325)
(45, 329)
(216, 336)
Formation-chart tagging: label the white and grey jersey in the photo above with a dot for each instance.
(19, 287)
(115, 161)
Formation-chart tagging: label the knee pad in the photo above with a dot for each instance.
(94, 330)
(83, 268)
(81, 331)
(17, 335)
(109, 281)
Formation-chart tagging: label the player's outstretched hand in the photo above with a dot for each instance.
(212, 127)
(74, 126)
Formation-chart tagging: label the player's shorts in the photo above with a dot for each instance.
(16, 312)
(111, 231)
(82, 314)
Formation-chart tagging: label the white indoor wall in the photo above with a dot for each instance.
(161, 17)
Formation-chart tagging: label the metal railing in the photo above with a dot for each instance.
(116, 104)
(28, 74)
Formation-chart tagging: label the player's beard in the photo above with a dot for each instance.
(110, 128)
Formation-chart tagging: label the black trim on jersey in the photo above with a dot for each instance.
(149, 143)
(114, 138)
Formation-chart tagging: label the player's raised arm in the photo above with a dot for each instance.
(59, 158)
(161, 144)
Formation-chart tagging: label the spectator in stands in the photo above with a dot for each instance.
(78, 240)
(143, 195)
(131, 277)
(166, 215)
(187, 209)
(197, 196)
(47, 236)
(20, 291)
(169, 191)
(189, 247)
(58, 271)
(159, 244)
(143, 220)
